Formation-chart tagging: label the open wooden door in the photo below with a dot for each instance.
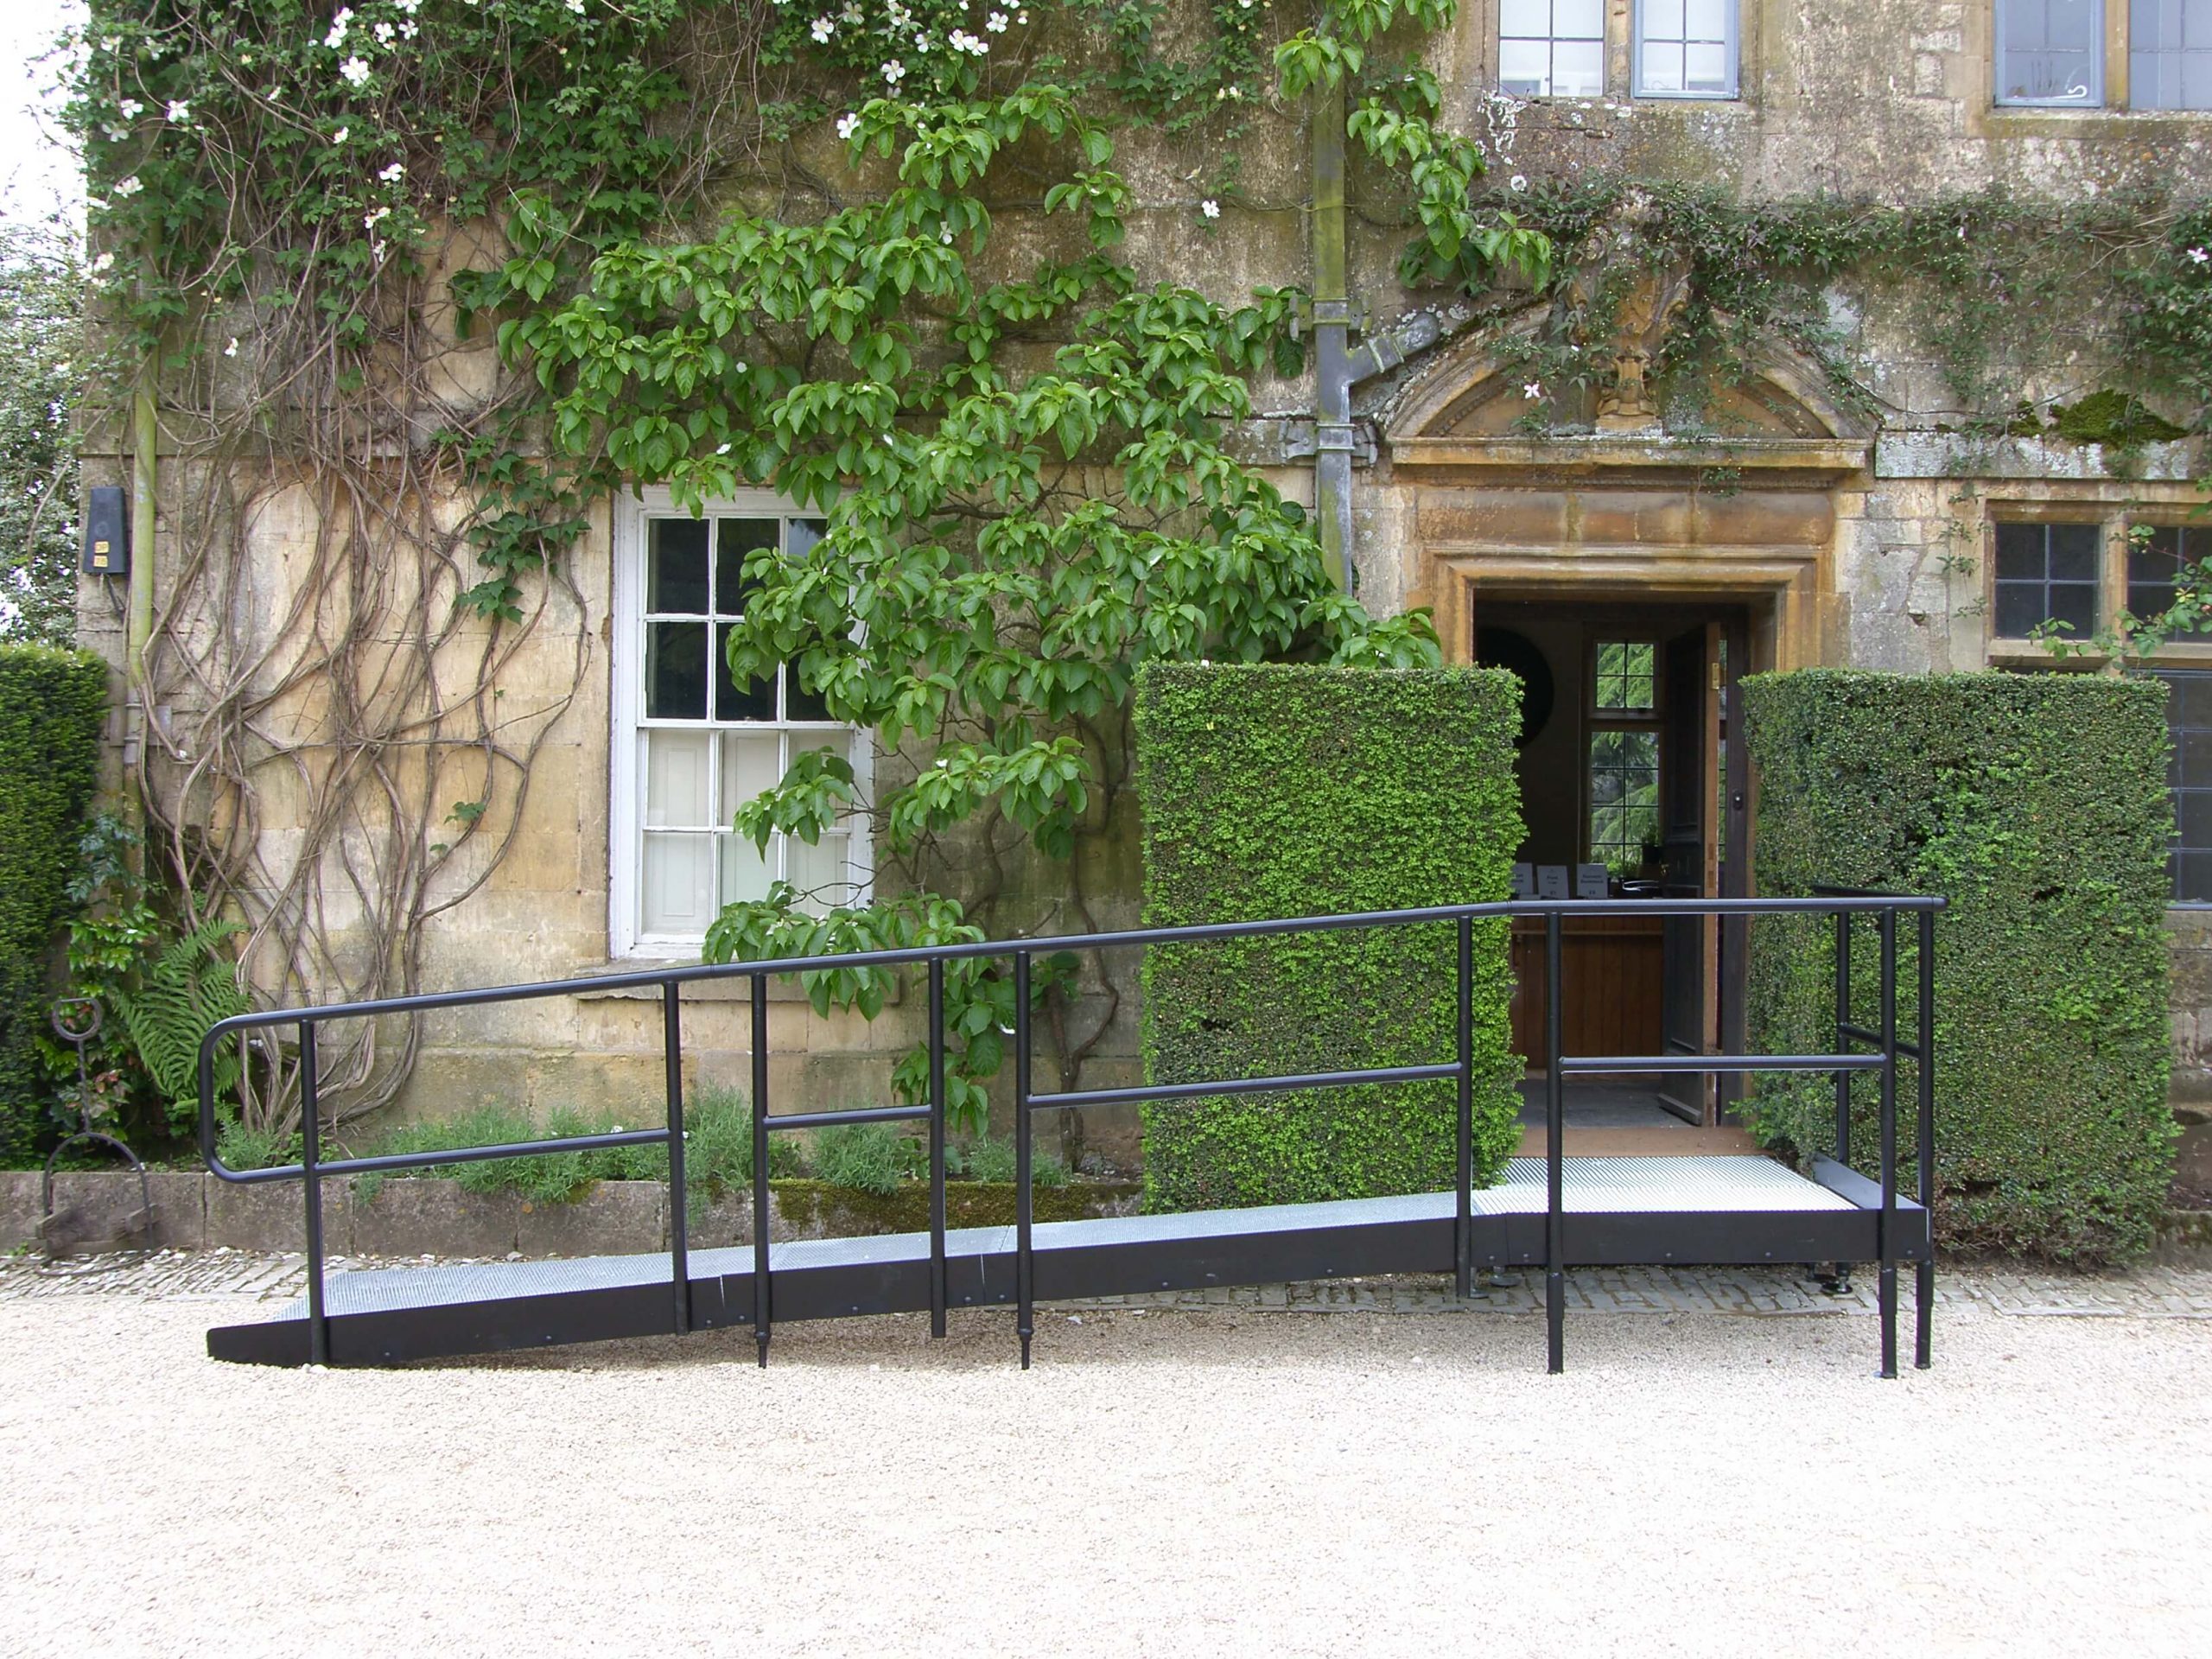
(1689, 806)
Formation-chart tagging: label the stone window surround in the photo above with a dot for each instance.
(625, 777)
(1620, 74)
(2113, 516)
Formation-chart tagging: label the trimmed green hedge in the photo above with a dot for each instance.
(52, 706)
(2037, 804)
(1276, 792)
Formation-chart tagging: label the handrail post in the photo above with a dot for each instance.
(1554, 1158)
(1887, 1241)
(310, 1159)
(1924, 1146)
(679, 1242)
(1843, 1036)
(1462, 1230)
(1025, 1287)
(936, 1146)
(760, 1211)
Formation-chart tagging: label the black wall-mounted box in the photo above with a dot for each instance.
(107, 533)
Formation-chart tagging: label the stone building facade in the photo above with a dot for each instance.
(1789, 524)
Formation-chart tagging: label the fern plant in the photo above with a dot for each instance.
(181, 996)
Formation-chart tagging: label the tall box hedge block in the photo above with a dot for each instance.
(1274, 791)
(2036, 805)
(52, 706)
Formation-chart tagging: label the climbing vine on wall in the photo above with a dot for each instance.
(712, 244)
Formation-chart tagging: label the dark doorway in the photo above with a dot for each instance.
(1637, 765)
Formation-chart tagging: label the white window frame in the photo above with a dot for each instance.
(1552, 42)
(1729, 11)
(627, 772)
(2095, 98)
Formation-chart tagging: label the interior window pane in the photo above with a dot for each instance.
(676, 671)
(676, 567)
(1524, 67)
(745, 870)
(1662, 67)
(1530, 19)
(2074, 552)
(800, 703)
(1705, 67)
(1661, 20)
(819, 871)
(675, 780)
(733, 539)
(1623, 796)
(752, 761)
(801, 534)
(677, 892)
(2152, 565)
(1579, 19)
(2049, 51)
(1626, 678)
(2019, 607)
(1577, 69)
(2074, 602)
(754, 700)
(1706, 20)
(2020, 553)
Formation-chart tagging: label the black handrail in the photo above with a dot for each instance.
(313, 1169)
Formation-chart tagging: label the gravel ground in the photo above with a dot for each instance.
(1166, 1480)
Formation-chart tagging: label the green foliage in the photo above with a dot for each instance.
(1995, 282)
(2036, 805)
(42, 342)
(1282, 792)
(181, 994)
(987, 1159)
(866, 1157)
(2116, 419)
(53, 705)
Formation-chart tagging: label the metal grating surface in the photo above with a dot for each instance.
(1659, 1187)
(1593, 1187)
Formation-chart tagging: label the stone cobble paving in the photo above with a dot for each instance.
(2155, 1292)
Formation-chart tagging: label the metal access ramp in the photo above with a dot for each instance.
(1619, 1210)
(1554, 1212)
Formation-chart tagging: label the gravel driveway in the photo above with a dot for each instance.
(1164, 1482)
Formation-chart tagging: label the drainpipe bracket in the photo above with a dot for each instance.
(1304, 440)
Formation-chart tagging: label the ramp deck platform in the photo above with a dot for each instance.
(1619, 1211)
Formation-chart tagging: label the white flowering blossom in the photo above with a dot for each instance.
(577, 6)
(1533, 390)
(847, 125)
(995, 22)
(129, 186)
(973, 45)
(232, 350)
(823, 29)
(1517, 182)
(180, 111)
(394, 174)
(852, 15)
(336, 38)
(2197, 255)
(354, 72)
(385, 34)
(341, 135)
(375, 216)
(1210, 209)
(131, 108)
(411, 7)
(101, 265)
(895, 72)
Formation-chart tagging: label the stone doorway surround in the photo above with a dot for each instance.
(1743, 511)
